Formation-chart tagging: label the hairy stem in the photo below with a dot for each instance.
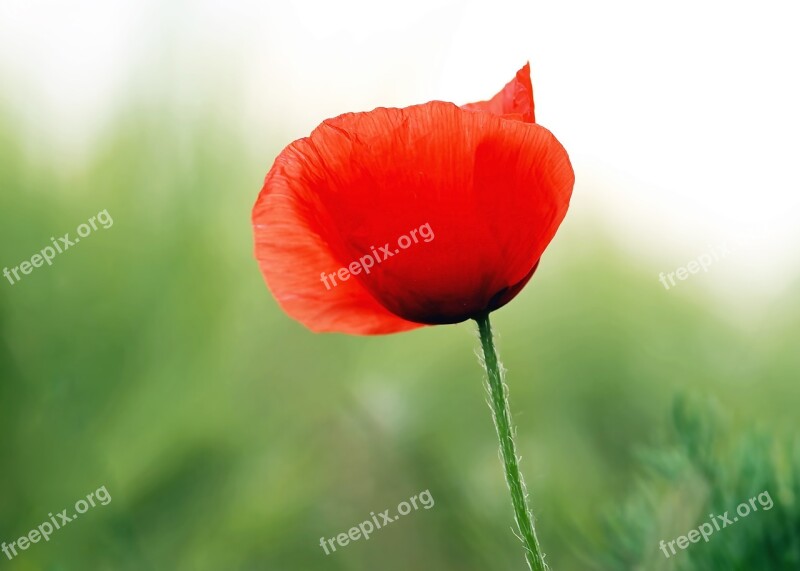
(502, 419)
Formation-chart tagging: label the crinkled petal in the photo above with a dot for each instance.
(515, 100)
(491, 190)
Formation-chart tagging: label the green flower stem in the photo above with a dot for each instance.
(502, 420)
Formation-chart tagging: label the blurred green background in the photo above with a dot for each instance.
(152, 360)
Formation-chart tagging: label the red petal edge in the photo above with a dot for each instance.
(514, 101)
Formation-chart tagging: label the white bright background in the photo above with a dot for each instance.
(681, 118)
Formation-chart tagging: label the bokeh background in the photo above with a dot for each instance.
(152, 360)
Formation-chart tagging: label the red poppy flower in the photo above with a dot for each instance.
(384, 221)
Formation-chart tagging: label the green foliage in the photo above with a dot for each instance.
(705, 472)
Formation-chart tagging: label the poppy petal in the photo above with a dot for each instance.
(292, 253)
(514, 101)
(492, 192)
